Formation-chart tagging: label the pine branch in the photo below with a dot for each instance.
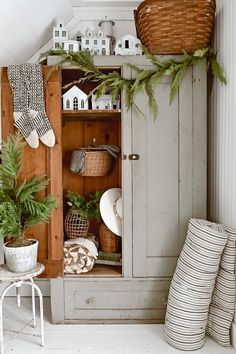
(178, 77)
(28, 189)
(145, 78)
(217, 70)
(19, 203)
(11, 161)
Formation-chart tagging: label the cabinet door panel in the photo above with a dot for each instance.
(155, 187)
(162, 180)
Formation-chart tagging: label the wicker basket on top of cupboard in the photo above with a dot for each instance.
(174, 26)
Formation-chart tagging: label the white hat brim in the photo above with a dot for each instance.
(107, 210)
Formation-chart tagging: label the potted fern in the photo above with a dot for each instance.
(81, 211)
(20, 207)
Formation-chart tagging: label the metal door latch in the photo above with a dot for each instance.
(134, 157)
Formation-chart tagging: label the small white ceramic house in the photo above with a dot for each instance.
(96, 42)
(75, 99)
(128, 45)
(60, 35)
(71, 46)
(105, 102)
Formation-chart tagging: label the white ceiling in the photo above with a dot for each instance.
(26, 25)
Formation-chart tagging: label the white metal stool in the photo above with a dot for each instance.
(17, 279)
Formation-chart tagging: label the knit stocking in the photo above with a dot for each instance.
(21, 113)
(34, 82)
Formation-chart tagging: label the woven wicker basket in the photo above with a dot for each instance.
(97, 163)
(171, 26)
(75, 224)
(109, 242)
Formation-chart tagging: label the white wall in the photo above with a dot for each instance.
(222, 125)
(87, 14)
(26, 25)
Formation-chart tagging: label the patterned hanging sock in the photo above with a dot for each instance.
(34, 83)
(21, 113)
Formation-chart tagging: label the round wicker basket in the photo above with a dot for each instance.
(75, 224)
(97, 163)
(171, 26)
(109, 242)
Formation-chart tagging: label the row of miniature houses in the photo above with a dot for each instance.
(75, 99)
(95, 41)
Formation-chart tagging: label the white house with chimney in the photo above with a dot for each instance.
(75, 99)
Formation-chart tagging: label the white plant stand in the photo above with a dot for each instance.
(17, 279)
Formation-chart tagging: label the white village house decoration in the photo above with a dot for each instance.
(105, 102)
(60, 35)
(75, 99)
(96, 42)
(128, 45)
(100, 42)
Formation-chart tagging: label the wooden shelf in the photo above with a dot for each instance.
(108, 114)
(100, 271)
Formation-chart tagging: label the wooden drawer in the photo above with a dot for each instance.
(102, 301)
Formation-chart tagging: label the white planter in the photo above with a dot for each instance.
(21, 259)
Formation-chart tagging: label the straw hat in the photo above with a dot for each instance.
(111, 210)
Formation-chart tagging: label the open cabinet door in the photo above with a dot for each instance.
(46, 161)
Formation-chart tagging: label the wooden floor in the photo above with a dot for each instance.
(88, 339)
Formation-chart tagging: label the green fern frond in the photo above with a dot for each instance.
(19, 202)
(151, 98)
(217, 70)
(176, 81)
(153, 58)
(201, 53)
(28, 189)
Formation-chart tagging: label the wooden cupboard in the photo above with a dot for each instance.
(162, 173)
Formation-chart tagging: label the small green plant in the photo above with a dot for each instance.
(20, 204)
(88, 207)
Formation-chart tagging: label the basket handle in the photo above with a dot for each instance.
(93, 143)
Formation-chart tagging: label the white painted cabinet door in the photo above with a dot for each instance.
(164, 177)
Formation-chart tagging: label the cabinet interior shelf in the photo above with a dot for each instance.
(100, 271)
(107, 114)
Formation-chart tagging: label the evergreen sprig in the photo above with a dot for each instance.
(88, 207)
(20, 204)
(145, 80)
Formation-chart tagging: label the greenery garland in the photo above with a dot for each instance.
(146, 79)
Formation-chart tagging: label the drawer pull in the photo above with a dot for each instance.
(91, 301)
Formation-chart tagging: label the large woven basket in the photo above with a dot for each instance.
(97, 163)
(75, 224)
(109, 242)
(91, 162)
(171, 26)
